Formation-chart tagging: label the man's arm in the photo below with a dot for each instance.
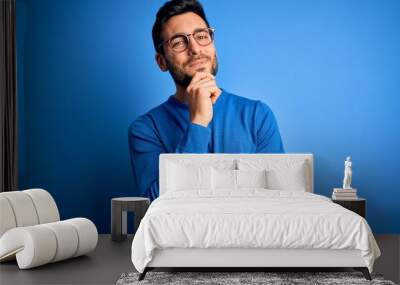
(145, 148)
(195, 139)
(201, 94)
(267, 131)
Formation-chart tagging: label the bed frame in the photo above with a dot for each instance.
(246, 258)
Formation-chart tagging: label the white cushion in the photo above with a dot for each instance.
(184, 177)
(230, 180)
(290, 179)
(87, 235)
(23, 208)
(45, 205)
(7, 218)
(251, 178)
(290, 174)
(40, 244)
(224, 179)
(67, 238)
(34, 244)
(26, 208)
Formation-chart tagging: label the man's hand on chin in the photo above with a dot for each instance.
(202, 92)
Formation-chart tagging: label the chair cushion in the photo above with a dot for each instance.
(26, 208)
(45, 205)
(40, 244)
(24, 211)
(7, 220)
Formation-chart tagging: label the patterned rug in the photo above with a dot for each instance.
(270, 278)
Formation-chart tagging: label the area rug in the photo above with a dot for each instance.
(269, 278)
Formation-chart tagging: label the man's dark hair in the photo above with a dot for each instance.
(170, 9)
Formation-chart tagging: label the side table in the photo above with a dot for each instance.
(119, 208)
(358, 205)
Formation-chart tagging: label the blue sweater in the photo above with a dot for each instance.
(239, 125)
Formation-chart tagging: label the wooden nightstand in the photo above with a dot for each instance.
(357, 206)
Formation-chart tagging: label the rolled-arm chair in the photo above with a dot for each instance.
(31, 231)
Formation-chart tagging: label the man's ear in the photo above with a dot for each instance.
(162, 64)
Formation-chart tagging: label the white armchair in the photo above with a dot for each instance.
(31, 230)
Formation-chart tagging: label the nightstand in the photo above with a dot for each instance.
(119, 208)
(358, 205)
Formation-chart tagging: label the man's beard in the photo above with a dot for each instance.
(182, 78)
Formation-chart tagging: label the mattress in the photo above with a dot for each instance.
(251, 219)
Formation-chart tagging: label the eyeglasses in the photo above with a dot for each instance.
(180, 42)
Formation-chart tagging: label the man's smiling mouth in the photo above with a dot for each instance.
(198, 62)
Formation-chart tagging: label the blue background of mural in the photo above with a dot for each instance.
(328, 69)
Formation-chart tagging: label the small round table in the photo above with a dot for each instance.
(119, 208)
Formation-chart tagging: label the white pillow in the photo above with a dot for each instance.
(282, 174)
(290, 179)
(183, 177)
(204, 161)
(223, 179)
(251, 178)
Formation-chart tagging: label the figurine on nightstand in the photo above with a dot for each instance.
(347, 192)
(347, 173)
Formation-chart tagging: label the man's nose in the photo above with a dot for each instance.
(193, 46)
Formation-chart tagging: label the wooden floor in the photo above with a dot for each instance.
(111, 259)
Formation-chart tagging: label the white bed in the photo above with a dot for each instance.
(247, 210)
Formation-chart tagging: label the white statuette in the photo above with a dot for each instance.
(347, 173)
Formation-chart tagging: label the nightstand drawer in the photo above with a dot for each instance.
(357, 206)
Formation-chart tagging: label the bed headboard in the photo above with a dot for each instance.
(218, 158)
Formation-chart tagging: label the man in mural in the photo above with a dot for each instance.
(200, 117)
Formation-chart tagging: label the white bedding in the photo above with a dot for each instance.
(250, 218)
